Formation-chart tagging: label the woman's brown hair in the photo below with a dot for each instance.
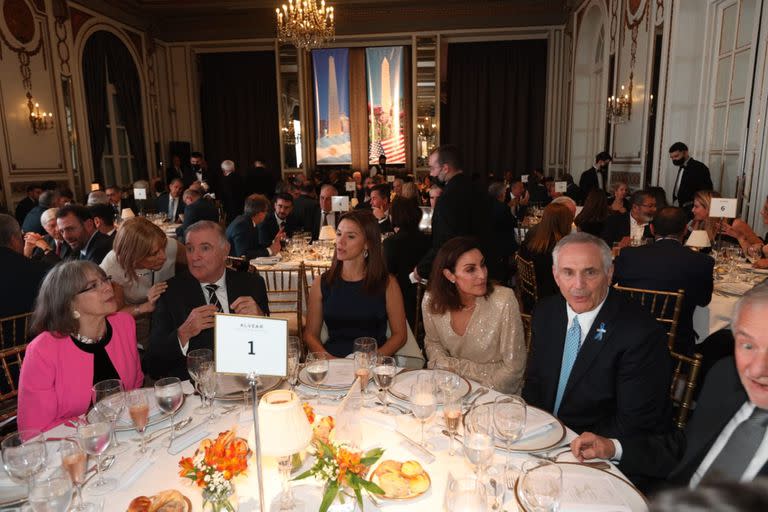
(712, 224)
(444, 295)
(136, 239)
(376, 275)
(595, 208)
(555, 224)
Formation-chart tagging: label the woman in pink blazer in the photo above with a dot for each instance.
(82, 341)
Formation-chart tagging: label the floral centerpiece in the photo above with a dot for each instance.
(214, 465)
(342, 468)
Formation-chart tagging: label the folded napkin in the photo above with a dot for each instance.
(136, 469)
(188, 438)
(341, 372)
(267, 260)
(536, 425)
(736, 288)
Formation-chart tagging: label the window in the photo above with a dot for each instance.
(118, 163)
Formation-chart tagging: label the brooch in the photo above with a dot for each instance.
(600, 332)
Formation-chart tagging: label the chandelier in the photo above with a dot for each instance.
(305, 24)
(40, 121)
(619, 109)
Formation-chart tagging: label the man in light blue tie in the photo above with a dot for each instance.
(598, 361)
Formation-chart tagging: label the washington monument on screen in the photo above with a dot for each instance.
(334, 122)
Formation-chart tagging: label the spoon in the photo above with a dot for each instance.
(106, 463)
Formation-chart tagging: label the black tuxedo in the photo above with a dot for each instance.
(164, 357)
(232, 195)
(616, 227)
(97, 248)
(588, 180)
(696, 177)
(23, 208)
(402, 251)
(619, 385)
(668, 266)
(209, 177)
(162, 206)
(202, 209)
(258, 180)
(21, 278)
(269, 228)
(676, 456)
(243, 238)
(385, 226)
(504, 224)
(302, 205)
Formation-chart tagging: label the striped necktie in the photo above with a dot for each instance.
(735, 457)
(213, 299)
(570, 351)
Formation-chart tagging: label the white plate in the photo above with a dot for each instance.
(231, 387)
(587, 489)
(401, 387)
(341, 375)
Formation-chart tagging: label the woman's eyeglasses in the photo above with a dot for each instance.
(99, 282)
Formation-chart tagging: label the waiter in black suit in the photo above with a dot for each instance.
(281, 218)
(198, 171)
(692, 176)
(598, 362)
(597, 175)
(183, 319)
(726, 437)
(633, 225)
(668, 266)
(75, 223)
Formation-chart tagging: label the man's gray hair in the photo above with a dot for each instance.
(191, 193)
(48, 198)
(564, 200)
(329, 186)
(47, 215)
(255, 204)
(98, 197)
(584, 238)
(9, 230)
(496, 188)
(757, 296)
(202, 225)
(227, 165)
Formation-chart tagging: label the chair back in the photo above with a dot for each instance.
(308, 273)
(664, 306)
(527, 330)
(284, 296)
(684, 379)
(10, 368)
(526, 284)
(14, 330)
(237, 263)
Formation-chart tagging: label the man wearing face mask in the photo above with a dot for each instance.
(692, 176)
(199, 172)
(597, 175)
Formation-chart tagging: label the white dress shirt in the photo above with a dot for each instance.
(600, 183)
(585, 319)
(636, 230)
(330, 219)
(221, 294)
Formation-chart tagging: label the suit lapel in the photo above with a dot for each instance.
(553, 358)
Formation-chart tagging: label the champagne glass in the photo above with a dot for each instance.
(465, 494)
(24, 454)
(292, 367)
(384, 374)
(363, 364)
(317, 370)
(109, 401)
(423, 401)
(208, 382)
(53, 494)
(509, 415)
(194, 359)
(479, 439)
(74, 460)
(452, 415)
(169, 398)
(138, 408)
(95, 438)
(541, 485)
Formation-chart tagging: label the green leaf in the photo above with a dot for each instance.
(359, 496)
(304, 475)
(330, 493)
(371, 487)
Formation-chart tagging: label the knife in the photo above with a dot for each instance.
(428, 455)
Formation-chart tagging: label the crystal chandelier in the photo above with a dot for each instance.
(305, 24)
(619, 108)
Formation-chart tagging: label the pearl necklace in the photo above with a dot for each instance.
(82, 338)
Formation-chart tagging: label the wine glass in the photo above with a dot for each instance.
(208, 382)
(109, 401)
(194, 359)
(465, 494)
(541, 485)
(509, 415)
(24, 454)
(138, 408)
(423, 400)
(95, 438)
(447, 380)
(452, 415)
(74, 460)
(365, 345)
(363, 364)
(479, 444)
(169, 398)
(317, 370)
(384, 374)
(52, 494)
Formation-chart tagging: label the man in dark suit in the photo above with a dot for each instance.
(184, 314)
(243, 232)
(29, 202)
(198, 171)
(51, 248)
(196, 208)
(282, 219)
(598, 362)
(504, 223)
(32, 224)
(304, 202)
(635, 225)
(258, 180)
(668, 266)
(171, 203)
(118, 202)
(76, 225)
(103, 219)
(322, 215)
(597, 175)
(463, 210)
(692, 176)
(174, 171)
(380, 206)
(21, 277)
(231, 192)
(518, 199)
(726, 436)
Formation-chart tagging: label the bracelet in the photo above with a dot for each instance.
(137, 310)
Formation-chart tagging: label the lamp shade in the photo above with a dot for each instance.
(698, 238)
(127, 213)
(327, 233)
(283, 426)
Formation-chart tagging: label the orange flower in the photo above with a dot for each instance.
(309, 412)
(322, 431)
(227, 454)
(348, 461)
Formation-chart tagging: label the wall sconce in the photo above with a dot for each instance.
(290, 136)
(619, 109)
(39, 120)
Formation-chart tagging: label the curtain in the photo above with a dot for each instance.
(238, 105)
(495, 111)
(95, 80)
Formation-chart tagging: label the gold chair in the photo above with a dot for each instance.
(308, 272)
(14, 330)
(664, 306)
(236, 263)
(683, 385)
(527, 291)
(10, 364)
(527, 332)
(284, 296)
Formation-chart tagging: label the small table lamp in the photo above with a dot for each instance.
(698, 239)
(327, 233)
(127, 213)
(284, 430)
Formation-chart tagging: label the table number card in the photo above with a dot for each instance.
(722, 207)
(244, 344)
(524, 178)
(390, 178)
(139, 193)
(349, 186)
(561, 187)
(340, 203)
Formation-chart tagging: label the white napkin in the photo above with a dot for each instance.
(536, 425)
(737, 288)
(267, 260)
(137, 468)
(188, 438)
(341, 372)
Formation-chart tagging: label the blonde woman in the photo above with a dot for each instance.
(618, 201)
(410, 191)
(140, 262)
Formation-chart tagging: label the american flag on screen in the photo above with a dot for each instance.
(393, 148)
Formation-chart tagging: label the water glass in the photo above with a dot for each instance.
(509, 416)
(109, 402)
(465, 494)
(53, 494)
(74, 461)
(169, 398)
(423, 401)
(24, 454)
(209, 380)
(384, 372)
(541, 485)
(317, 370)
(194, 359)
(479, 439)
(95, 438)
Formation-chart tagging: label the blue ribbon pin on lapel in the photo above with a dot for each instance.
(600, 332)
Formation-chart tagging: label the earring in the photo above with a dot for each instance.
(75, 314)
(365, 253)
(453, 281)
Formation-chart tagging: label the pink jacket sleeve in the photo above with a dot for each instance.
(38, 403)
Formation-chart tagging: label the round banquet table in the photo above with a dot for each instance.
(377, 431)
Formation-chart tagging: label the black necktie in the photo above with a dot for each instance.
(213, 299)
(325, 219)
(677, 183)
(733, 460)
(282, 225)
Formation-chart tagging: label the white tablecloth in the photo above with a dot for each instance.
(714, 316)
